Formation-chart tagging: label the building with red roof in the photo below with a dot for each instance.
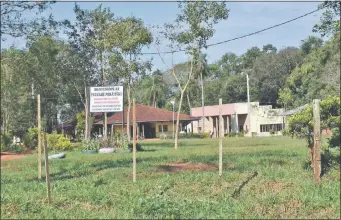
(151, 121)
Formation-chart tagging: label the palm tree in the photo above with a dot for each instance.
(153, 90)
(202, 71)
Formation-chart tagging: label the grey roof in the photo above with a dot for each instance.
(294, 111)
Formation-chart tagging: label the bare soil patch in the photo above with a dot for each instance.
(11, 156)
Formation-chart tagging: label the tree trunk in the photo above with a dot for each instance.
(86, 132)
(189, 104)
(102, 83)
(154, 104)
(202, 103)
(178, 121)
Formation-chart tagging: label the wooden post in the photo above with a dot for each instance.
(47, 174)
(220, 138)
(216, 126)
(317, 141)
(105, 129)
(134, 141)
(112, 130)
(39, 136)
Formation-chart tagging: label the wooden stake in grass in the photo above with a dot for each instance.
(317, 141)
(47, 170)
(134, 141)
(221, 134)
(39, 136)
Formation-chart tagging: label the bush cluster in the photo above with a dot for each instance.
(57, 142)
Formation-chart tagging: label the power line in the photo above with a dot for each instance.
(236, 38)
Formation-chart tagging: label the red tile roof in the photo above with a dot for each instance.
(146, 114)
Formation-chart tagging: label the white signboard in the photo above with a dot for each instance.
(106, 99)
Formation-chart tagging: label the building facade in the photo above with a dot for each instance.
(252, 119)
(151, 122)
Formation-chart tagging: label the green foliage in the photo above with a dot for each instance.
(57, 142)
(14, 148)
(6, 140)
(190, 194)
(13, 23)
(138, 147)
(334, 140)
(193, 135)
(31, 138)
(80, 126)
(301, 124)
(236, 134)
(272, 132)
(91, 144)
(330, 19)
(285, 132)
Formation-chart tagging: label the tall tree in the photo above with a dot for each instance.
(330, 20)
(12, 21)
(310, 43)
(128, 36)
(199, 19)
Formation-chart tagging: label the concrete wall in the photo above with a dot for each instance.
(237, 113)
(264, 115)
(169, 132)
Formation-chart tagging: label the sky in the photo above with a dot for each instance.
(244, 18)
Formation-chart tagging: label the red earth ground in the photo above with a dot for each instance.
(12, 156)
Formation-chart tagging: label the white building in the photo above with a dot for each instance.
(239, 117)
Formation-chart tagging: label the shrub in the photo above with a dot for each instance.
(91, 144)
(254, 134)
(6, 140)
(16, 148)
(232, 134)
(285, 132)
(57, 142)
(138, 147)
(117, 141)
(240, 134)
(191, 135)
(334, 140)
(206, 135)
(272, 132)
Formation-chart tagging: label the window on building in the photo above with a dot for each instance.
(199, 128)
(273, 127)
(241, 129)
(165, 128)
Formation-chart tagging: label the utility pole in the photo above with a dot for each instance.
(39, 136)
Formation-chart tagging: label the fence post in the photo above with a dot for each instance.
(134, 141)
(221, 134)
(39, 135)
(317, 141)
(47, 173)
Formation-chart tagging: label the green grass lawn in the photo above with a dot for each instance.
(100, 186)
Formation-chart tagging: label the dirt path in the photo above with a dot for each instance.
(12, 156)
